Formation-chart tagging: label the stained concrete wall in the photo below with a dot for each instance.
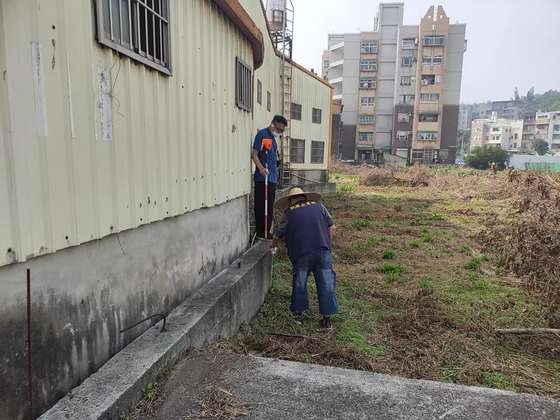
(83, 296)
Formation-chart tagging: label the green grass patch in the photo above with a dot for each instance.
(497, 380)
(476, 262)
(347, 188)
(352, 334)
(388, 254)
(415, 243)
(426, 236)
(388, 268)
(425, 282)
(360, 224)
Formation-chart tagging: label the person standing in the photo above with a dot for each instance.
(307, 230)
(265, 157)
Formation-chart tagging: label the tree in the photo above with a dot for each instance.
(531, 95)
(540, 146)
(516, 96)
(482, 156)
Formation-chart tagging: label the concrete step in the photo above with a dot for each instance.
(275, 389)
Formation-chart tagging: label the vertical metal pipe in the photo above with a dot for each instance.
(29, 368)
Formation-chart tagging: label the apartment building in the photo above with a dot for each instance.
(541, 126)
(498, 132)
(400, 85)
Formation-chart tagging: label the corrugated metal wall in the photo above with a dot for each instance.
(311, 93)
(306, 90)
(176, 143)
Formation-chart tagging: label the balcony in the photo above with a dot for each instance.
(338, 96)
(336, 63)
(336, 80)
(336, 46)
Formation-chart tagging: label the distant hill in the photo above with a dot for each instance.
(546, 102)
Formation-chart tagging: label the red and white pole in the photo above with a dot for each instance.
(266, 201)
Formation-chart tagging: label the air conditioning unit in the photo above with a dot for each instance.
(425, 82)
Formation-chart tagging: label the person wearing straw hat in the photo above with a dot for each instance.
(307, 230)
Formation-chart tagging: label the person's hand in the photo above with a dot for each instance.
(264, 172)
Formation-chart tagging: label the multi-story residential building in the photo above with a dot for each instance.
(511, 109)
(542, 126)
(499, 132)
(400, 85)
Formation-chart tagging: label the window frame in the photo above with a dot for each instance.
(429, 95)
(405, 46)
(406, 78)
(297, 145)
(369, 46)
(367, 104)
(433, 135)
(259, 92)
(371, 67)
(373, 83)
(135, 52)
(432, 38)
(405, 59)
(314, 113)
(243, 87)
(370, 122)
(315, 148)
(367, 134)
(268, 101)
(403, 117)
(294, 106)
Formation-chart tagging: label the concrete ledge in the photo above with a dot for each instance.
(214, 311)
(277, 389)
(323, 188)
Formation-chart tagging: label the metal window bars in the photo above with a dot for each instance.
(139, 29)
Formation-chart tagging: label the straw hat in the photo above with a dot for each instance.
(284, 202)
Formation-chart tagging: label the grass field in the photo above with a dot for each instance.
(417, 297)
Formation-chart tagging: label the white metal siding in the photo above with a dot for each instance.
(311, 93)
(164, 145)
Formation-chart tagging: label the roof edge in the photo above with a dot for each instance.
(241, 19)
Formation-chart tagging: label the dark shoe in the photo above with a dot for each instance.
(298, 317)
(327, 323)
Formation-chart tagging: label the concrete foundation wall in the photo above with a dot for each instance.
(83, 296)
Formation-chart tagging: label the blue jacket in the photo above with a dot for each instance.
(267, 159)
(305, 228)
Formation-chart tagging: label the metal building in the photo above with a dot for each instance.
(125, 138)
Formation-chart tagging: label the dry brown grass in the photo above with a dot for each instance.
(222, 404)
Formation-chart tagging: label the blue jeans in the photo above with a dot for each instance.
(318, 262)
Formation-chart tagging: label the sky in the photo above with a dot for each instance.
(510, 42)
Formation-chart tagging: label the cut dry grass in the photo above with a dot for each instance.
(222, 404)
(430, 310)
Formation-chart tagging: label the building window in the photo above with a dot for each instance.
(368, 65)
(268, 101)
(138, 29)
(368, 47)
(556, 127)
(427, 135)
(403, 135)
(295, 111)
(403, 117)
(367, 83)
(407, 61)
(367, 119)
(259, 92)
(365, 136)
(432, 60)
(367, 100)
(406, 80)
(430, 79)
(408, 43)
(407, 99)
(429, 97)
(317, 151)
(297, 151)
(428, 117)
(316, 115)
(243, 85)
(433, 40)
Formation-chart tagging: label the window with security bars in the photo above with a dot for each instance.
(268, 101)
(259, 92)
(295, 111)
(317, 151)
(138, 29)
(243, 86)
(316, 115)
(297, 151)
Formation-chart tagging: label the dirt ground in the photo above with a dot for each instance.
(418, 297)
